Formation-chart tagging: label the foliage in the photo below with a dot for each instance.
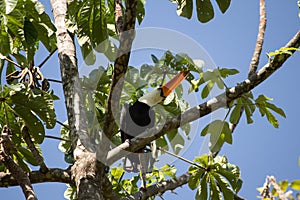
(22, 106)
(283, 50)
(204, 8)
(94, 24)
(124, 187)
(214, 178)
(23, 25)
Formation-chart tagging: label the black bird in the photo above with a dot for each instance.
(135, 119)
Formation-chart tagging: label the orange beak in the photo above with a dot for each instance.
(173, 83)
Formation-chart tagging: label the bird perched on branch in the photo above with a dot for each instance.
(135, 119)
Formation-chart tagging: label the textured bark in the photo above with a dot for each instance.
(69, 74)
(126, 36)
(206, 108)
(52, 175)
(6, 145)
(84, 171)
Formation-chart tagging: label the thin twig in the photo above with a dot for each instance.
(2, 57)
(62, 124)
(54, 80)
(57, 138)
(46, 59)
(182, 158)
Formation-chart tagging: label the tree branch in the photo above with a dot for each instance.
(121, 64)
(260, 38)
(204, 109)
(16, 171)
(159, 188)
(33, 149)
(52, 175)
(255, 58)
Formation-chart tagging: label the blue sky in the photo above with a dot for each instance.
(258, 149)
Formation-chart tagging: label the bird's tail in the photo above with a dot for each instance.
(132, 163)
(137, 162)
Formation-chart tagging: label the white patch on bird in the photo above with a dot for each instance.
(152, 98)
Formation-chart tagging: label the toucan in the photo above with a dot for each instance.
(139, 116)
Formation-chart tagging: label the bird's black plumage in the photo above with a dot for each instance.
(135, 119)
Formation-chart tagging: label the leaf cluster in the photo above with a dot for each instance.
(23, 25)
(22, 106)
(214, 178)
(94, 24)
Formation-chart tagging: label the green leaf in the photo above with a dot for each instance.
(154, 59)
(235, 114)
(185, 9)
(205, 11)
(140, 10)
(169, 170)
(202, 190)
(223, 5)
(219, 133)
(195, 178)
(215, 193)
(295, 184)
(275, 109)
(30, 33)
(272, 119)
(248, 115)
(224, 72)
(206, 90)
(203, 160)
(224, 187)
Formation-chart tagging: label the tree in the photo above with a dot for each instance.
(27, 102)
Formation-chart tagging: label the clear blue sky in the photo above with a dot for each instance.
(258, 149)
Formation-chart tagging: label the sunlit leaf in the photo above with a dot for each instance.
(295, 184)
(185, 9)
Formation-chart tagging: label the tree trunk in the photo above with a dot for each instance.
(84, 171)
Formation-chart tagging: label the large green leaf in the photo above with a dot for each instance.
(205, 10)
